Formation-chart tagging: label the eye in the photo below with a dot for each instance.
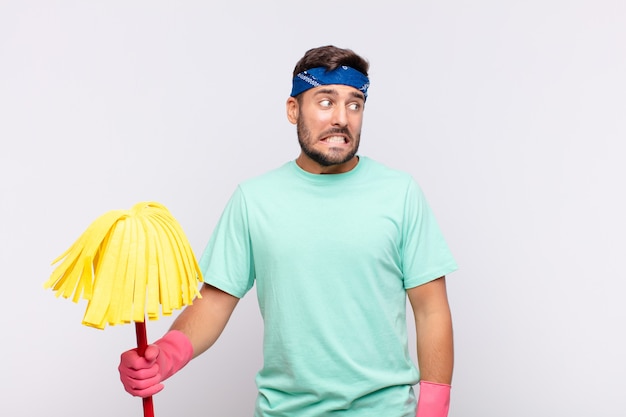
(325, 103)
(354, 106)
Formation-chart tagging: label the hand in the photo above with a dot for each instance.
(434, 400)
(143, 376)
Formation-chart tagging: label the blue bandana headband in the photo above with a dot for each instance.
(316, 77)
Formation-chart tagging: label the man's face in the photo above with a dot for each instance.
(328, 120)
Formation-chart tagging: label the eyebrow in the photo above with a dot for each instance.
(332, 91)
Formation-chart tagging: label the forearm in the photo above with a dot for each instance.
(204, 320)
(433, 328)
(435, 351)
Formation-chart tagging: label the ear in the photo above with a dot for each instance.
(293, 110)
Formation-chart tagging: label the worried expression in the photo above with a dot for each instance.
(328, 120)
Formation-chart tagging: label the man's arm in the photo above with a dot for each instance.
(204, 320)
(433, 328)
(435, 352)
(194, 331)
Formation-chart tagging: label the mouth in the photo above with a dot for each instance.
(335, 140)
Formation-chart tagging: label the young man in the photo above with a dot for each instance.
(335, 243)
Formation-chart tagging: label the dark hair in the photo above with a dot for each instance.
(331, 57)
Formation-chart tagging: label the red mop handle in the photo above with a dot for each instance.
(142, 344)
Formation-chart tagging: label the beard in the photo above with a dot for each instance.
(334, 156)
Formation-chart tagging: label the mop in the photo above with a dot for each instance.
(127, 264)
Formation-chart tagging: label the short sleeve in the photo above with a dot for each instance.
(227, 262)
(425, 253)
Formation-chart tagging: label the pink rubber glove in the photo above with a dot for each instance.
(142, 376)
(434, 400)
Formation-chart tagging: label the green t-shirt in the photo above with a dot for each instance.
(332, 257)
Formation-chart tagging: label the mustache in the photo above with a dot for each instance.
(337, 131)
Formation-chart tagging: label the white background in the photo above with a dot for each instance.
(511, 116)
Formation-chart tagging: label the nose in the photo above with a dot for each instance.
(340, 116)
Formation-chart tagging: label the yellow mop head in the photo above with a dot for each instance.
(126, 264)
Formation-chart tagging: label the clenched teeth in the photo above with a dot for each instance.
(336, 139)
